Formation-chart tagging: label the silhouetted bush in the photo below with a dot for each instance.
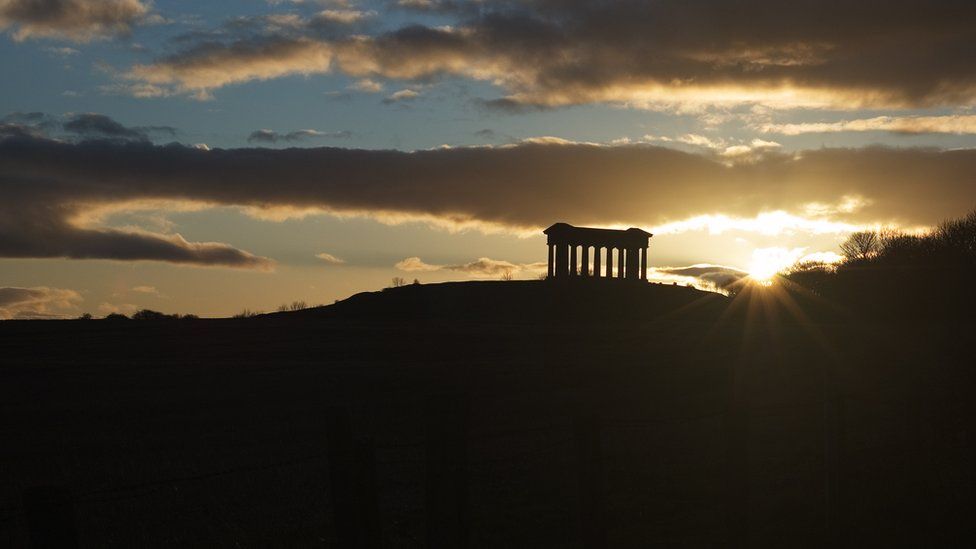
(247, 313)
(116, 316)
(86, 316)
(148, 314)
(889, 274)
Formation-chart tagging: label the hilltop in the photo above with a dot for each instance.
(536, 300)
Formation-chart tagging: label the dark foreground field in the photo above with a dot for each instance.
(213, 432)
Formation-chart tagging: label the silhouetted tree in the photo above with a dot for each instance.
(86, 316)
(861, 245)
(148, 314)
(894, 275)
(958, 237)
(293, 306)
(116, 316)
(398, 281)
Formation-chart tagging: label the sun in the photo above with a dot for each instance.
(768, 262)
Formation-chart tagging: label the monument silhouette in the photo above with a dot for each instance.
(570, 251)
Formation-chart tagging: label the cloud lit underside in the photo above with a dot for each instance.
(52, 193)
(545, 53)
(37, 302)
(950, 124)
(480, 268)
(75, 20)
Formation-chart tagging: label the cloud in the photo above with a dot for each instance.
(75, 20)
(730, 148)
(38, 302)
(52, 193)
(400, 96)
(345, 16)
(78, 126)
(15, 130)
(151, 290)
(330, 259)
(481, 267)
(766, 262)
(366, 85)
(213, 65)
(62, 52)
(271, 136)
(703, 276)
(99, 125)
(568, 52)
(415, 264)
(954, 124)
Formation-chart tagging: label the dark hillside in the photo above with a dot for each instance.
(712, 426)
(572, 301)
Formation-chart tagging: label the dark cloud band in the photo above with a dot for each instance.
(78, 20)
(562, 52)
(47, 187)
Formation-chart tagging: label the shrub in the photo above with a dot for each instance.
(148, 314)
(894, 275)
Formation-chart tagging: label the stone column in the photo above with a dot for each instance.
(596, 261)
(644, 264)
(609, 262)
(573, 261)
(621, 262)
(585, 262)
(551, 258)
(562, 261)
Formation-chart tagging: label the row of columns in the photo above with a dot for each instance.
(565, 260)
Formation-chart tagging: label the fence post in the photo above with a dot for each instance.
(835, 434)
(591, 480)
(50, 518)
(447, 460)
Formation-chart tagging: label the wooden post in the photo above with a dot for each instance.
(835, 434)
(591, 480)
(447, 461)
(50, 518)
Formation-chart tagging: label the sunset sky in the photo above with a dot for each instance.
(206, 157)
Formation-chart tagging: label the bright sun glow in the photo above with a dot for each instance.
(767, 262)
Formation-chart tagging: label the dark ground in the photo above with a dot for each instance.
(211, 432)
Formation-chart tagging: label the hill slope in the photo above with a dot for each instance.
(527, 300)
